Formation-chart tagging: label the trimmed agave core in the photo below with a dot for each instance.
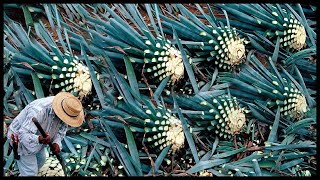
(51, 167)
(72, 76)
(163, 60)
(294, 37)
(229, 117)
(164, 129)
(229, 49)
(294, 104)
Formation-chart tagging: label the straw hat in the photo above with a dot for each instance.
(68, 108)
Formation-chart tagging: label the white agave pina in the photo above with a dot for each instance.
(162, 60)
(270, 88)
(272, 20)
(221, 116)
(163, 129)
(216, 43)
(123, 39)
(51, 167)
(71, 75)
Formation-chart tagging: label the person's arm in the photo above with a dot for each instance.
(28, 138)
(60, 135)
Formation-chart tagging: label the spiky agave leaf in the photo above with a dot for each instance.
(214, 42)
(273, 20)
(256, 83)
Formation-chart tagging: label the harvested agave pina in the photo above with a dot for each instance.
(72, 76)
(51, 167)
(163, 129)
(162, 60)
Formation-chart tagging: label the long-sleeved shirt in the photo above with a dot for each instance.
(27, 131)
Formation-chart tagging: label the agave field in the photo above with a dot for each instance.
(169, 89)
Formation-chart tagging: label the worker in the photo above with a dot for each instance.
(54, 114)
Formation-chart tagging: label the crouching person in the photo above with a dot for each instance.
(54, 114)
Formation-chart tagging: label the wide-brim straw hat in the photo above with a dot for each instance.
(68, 108)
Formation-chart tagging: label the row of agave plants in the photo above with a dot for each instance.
(170, 89)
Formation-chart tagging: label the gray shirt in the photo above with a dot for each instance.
(28, 133)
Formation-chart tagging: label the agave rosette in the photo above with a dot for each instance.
(116, 38)
(157, 126)
(257, 83)
(217, 43)
(272, 20)
(220, 115)
(64, 72)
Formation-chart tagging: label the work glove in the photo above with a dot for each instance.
(45, 140)
(56, 149)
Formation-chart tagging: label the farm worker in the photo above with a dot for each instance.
(54, 114)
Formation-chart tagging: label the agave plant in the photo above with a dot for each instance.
(160, 126)
(215, 42)
(161, 58)
(257, 83)
(271, 20)
(221, 116)
(64, 72)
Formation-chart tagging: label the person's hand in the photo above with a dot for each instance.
(56, 149)
(45, 140)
